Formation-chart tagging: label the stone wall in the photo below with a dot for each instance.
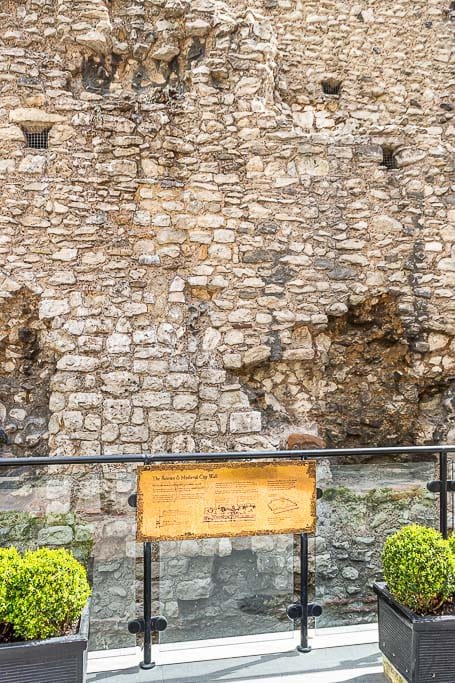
(241, 227)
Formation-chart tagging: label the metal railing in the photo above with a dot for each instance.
(301, 610)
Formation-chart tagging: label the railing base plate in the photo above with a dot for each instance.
(304, 650)
(150, 665)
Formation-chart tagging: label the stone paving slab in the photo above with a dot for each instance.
(354, 664)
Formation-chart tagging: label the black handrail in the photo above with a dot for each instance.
(223, 455)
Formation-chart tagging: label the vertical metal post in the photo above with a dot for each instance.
(443, 510)
(304, 647)
(147, 663)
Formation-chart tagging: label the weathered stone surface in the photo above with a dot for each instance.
(168, 422)
(241, 423)
(213, 254)
(30, 116)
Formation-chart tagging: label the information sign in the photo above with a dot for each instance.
(189, 500)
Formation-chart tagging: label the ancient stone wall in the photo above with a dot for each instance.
(223, 222)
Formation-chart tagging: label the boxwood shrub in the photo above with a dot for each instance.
(42, 593)
(452, 544)
(419, 568)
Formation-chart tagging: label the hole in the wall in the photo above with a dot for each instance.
(37, 139)
(388, 157)
(98, 73)
(196, 50)
(331, 87)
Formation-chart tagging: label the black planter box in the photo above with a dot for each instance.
(55, 660)
(422, 649)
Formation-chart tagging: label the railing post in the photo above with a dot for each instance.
(443, 509)
(147, 663)
(304, 647)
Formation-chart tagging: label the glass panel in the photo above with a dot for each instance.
(85, 510)
(215, 588)
(363, 504)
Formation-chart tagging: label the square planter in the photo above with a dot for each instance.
(54, 660)
(422, 649)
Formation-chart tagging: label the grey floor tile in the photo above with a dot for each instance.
(276, 667)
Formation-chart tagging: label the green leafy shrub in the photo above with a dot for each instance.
(419, 568)
(43, 592)
(452, 544)
(9, 564)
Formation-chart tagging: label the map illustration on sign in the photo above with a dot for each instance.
(210, 500)
(282, 504)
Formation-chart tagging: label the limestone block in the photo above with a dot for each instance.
(34, 117)
(312, 166)
(234, 399)
(118, 343)
(152, 399)
(168, 422)
(7, 166)
(185, 401)
(94, 40)
(350, 573)
(447, 264)
(133, 433)
(197, 27)
(50, 308)
(195, 589)
(243, 423)
(211, 339)
(302, 353)
(118, 167)
(61, 132)
(55, 535)
(165, 52)
(120, 382)
(64, 255)
(78, 363)
(407, 156)
(33, 163)
(385, 224)
(232, 360)
(84, 400)
(11, 134)
(256, 355)
(117, 410)
(303, 119)
(110, 433)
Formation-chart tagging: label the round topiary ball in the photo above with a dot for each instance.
(418, 568)
(47, 594)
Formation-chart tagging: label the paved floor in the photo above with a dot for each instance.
(353, 664)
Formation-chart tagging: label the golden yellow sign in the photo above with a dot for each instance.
(187, 501)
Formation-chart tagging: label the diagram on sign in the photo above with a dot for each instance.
(223, 513)
(282, 504)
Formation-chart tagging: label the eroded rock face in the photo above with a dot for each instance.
(26, 369)
(213, 249)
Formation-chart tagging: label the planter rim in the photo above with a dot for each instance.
(380, 588)
(81, 635)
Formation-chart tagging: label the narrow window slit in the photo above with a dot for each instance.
(331, 87)
(388, 157)
(37, 139)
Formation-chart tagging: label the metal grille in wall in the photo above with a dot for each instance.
(388, 158)
(37, 139)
